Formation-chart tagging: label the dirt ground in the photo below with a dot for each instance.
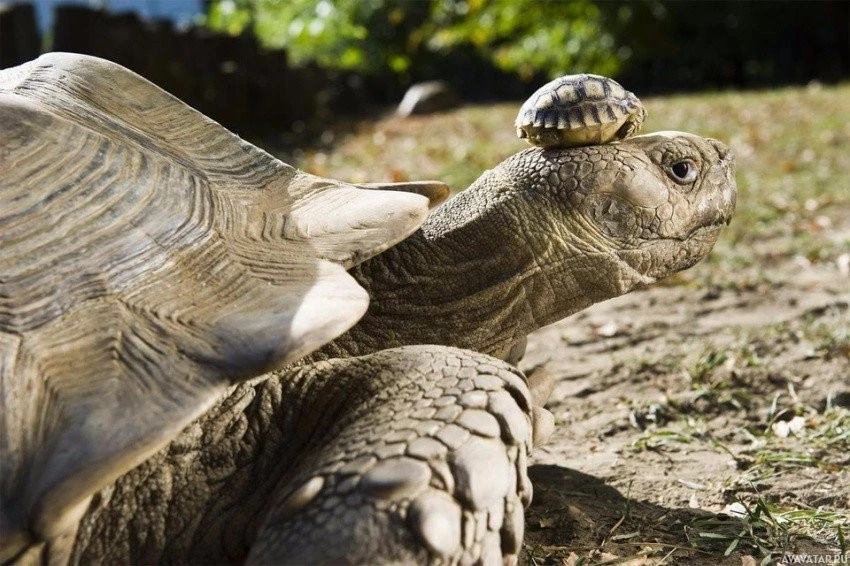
(705, 420)
(664, 403)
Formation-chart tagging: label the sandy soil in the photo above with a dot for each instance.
(666, 401)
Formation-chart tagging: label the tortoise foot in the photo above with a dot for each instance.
(427, 464)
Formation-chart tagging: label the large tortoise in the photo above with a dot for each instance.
(155, 267)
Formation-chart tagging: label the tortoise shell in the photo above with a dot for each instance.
(151, 258)
(576, 110)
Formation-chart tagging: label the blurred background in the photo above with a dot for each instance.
(287, 65)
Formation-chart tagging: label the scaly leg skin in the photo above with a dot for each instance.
(426, 462)
(415, 454)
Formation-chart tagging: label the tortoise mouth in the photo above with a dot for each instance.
(680, 254)
(711, 227)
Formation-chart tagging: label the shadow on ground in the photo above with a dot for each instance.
(576, 518)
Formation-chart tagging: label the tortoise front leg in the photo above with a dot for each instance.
(425, 462)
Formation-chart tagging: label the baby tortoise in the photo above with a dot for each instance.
(576, 110)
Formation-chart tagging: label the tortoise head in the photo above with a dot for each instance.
(658, 201)
(597, 221)
(629, 212)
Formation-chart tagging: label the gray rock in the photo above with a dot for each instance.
(427, 97)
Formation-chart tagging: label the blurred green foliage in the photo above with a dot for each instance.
(525, 37)
(498, 47)
(364, 35)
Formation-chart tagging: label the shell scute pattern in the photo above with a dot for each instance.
(144, 270)
(577, 110)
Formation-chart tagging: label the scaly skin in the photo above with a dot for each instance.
(544, 235)
(348, 460)
(281, 470)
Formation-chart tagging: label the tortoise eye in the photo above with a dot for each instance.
(683, 171)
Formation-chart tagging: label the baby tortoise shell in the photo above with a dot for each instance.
(576, 110)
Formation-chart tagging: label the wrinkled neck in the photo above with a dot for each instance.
(481, 273)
